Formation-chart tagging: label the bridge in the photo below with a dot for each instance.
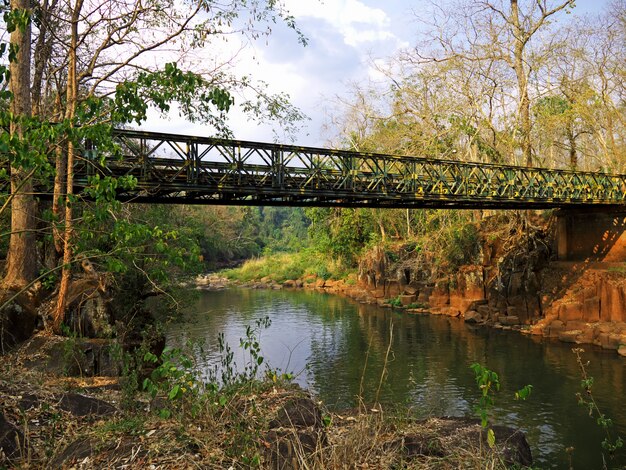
(185, 169)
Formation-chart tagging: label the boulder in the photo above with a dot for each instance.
(554, 328)
(74, 357)
(12, 442)
(410, 290)
(450, 311)
(467, 288)
(608, 340)
(508, 320)
(571, 311)
(484, 310)
(570, 336)
(378, 293)
(591, 309)
(576, 325)
(392, 288)
(17, 321)
(538, 329)
(297, 431)
(82, 405)
(301, 411)
(88, 308)
(467, 434)
(473, 316)
(423, 297)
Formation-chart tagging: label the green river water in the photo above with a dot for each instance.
(336, 348)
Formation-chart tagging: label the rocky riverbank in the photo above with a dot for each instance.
(515, 283)
(50, 420)
(588, 312)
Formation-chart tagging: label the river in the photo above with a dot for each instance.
(338, 349)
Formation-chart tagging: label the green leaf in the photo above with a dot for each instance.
(523, 393)
(148, 356)
(491, 438)
(174, 392)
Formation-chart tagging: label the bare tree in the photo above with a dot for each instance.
(509, 32)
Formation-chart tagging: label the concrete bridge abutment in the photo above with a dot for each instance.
(591, 235)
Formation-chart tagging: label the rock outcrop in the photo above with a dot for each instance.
(18, 319)
(514, 285)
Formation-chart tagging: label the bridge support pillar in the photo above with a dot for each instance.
(592, 235)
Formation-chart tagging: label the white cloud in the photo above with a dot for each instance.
(357, 22)
(344, 37)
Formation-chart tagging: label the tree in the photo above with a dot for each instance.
(99, 65)
(22, 256)
(497, 36)
(579, 120)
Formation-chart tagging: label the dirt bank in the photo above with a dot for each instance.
(55, 421)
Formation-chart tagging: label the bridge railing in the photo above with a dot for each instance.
(196, 169)
(188, 169)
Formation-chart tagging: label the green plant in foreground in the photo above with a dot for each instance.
(489, 383)
(251, 346)
(586, 399)
(175, 375)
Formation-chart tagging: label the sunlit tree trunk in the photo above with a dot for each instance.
(22, 255)
(522, 83)
(71, 98)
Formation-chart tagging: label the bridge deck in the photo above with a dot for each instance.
(195, 170)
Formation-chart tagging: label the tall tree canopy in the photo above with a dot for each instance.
(98, 64)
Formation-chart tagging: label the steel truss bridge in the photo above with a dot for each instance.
(173, 168)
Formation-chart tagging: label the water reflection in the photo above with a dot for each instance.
(338, 348)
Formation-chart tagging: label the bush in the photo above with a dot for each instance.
(282, 266)
(462, 247)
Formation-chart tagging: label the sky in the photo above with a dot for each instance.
(346, 40)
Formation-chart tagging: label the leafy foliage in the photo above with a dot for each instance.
(341, 232)
(174, 376)
(462, 245)
(198, 99)
(609, 443)
(488, 383)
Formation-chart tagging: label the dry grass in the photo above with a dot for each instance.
(234, 429)
(371, 440)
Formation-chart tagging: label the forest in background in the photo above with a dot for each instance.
(522, 83)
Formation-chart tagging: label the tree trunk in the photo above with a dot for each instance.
(42, 53)
(522, 83)
(55, 249)
(573, 151)
(22, 255)
(72, 95)
(409, 232)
